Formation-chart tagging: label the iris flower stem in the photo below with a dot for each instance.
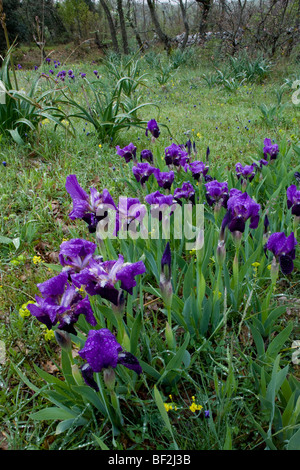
(217, 285)
(169, 312)
(274, 277)
(121, 330)
(201, 285)
(235, 269)
(295, 225)
(116, 406)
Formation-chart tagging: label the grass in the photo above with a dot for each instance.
(34, 211)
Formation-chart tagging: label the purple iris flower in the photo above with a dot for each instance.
(198, 168)
(83, 74)
(100, 278)
(153, 128)
(241, 208)
(263, 162)
(76, 254)
(147, 155)
(217, 193)
(246, 172)
(142, 172)
(128, 152)
(164, 178)
(270, 149)
(48, 60)
(189, 146)
(283, 248)
(186, 191)
(157, 198)
(129, 210)
(293, 199)
(175, 155)
(61, 303)
(88, 207)
(102, 351)
(162, 205)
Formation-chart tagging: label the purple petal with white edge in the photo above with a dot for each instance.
(130, 361)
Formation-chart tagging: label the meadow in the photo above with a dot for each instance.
(152, 346)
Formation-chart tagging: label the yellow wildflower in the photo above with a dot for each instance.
(49, 335)
(36, 259)
(23, 311)
(194, 407)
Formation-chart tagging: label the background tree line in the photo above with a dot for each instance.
(124, 25)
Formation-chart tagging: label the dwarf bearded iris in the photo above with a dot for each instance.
(283, 248)
(90, 208)
(241, 208)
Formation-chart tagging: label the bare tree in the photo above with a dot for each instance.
(185, 23)
(123, 27)
(206, 6)
(111, 25)
(162, 36)
(132, 21)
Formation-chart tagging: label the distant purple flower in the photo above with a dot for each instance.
(90, 208)
(70, 72)
(263, 162)
(4, 163)
(36, 67)
(157, 198)
(102, 351)
(217, 193)
(270, 149)
(100, 278)
(83, 74)
(161, 204)
(48, 60)
(153, 128)
(142, 172)
(164, 178)
(241, 208)
(186, 191)
(188, 145)
(19, 66)
(293, 199)
(128, 152)
(61, 303)
(198, 168)
(175, 155)
(147, 155)
(283, 248)
(246, 172)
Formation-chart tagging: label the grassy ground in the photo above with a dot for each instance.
(34, 208)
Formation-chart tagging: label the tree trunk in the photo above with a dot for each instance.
(123, 27)
(162, 36)
(111, 26)
(206, 4)
(185, 22)
(131, 18)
